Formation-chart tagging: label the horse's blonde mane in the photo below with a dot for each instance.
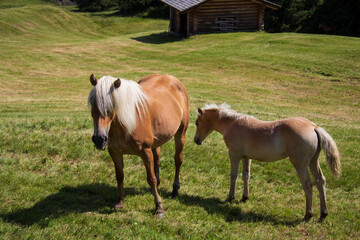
(226, 112)
(126, 101)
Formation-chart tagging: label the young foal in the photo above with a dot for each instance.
(248, 138)
(137, 118)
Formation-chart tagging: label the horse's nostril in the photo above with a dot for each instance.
(105, 139)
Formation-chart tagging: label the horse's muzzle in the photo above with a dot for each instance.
(100, 142)
(197, 140)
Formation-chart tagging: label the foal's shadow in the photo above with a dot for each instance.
(100, 198)
(232, 212)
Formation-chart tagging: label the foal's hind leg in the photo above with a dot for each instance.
(307, 184)
(156, 154)
(179, 145)
(320, 182)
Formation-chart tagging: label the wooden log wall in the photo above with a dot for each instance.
(226, 15)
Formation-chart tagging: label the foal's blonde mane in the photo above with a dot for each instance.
(226, 112)
(126, 101)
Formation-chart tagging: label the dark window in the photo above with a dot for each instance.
(226, 23)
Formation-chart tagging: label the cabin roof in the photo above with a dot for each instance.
(185, 5)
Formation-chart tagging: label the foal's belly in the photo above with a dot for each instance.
(265, 150)
(266, 155)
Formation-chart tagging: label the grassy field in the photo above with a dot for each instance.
(55, 185)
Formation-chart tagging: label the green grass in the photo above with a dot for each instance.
(55, 185)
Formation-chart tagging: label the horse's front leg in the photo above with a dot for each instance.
(119, 165)
(148, 160)
(234, 161)
(246, 177)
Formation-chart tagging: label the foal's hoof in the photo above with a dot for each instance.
(323, 216)
(308, 216)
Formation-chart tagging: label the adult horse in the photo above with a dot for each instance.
(137, 118)
(249, 138)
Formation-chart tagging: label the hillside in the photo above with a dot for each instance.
(55, 185)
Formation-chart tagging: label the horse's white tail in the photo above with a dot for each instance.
(331, 151)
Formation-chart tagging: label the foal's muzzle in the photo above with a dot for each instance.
(100, 142)
(197, 140)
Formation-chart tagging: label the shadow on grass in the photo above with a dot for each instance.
(159, 38)
(101, 198)
(232, 212)
(85, 198)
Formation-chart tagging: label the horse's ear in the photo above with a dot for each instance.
(93, 80)
(200, 111)
(117, 83)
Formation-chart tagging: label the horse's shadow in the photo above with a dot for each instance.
(100, 198)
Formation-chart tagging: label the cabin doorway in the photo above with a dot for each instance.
(183, 24)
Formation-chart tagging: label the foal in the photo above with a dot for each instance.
(268, 141)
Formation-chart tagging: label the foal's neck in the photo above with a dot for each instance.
(221, 124)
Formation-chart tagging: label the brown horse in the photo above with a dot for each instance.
(137, 118)
(248, 138)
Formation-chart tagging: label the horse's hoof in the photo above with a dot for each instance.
(244, 199)
(119, 206)
(160, 213)
(229, 200)
(174, 194)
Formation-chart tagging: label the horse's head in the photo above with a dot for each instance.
(101, 113)
(203, 126)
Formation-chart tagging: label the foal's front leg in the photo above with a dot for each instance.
(246, 177)
(235, 162)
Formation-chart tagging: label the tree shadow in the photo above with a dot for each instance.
(159, 38)
(84, 198)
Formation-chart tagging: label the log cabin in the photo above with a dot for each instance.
(189, 17)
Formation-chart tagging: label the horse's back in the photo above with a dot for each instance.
(166, 88)
(168, 104)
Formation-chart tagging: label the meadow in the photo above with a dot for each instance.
(55, 185)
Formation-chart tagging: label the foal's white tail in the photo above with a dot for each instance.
(331, 151)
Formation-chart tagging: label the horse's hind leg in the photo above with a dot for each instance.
(179, 146)
(320, 182)
(306, 182)
(246, 177)
(156, 154)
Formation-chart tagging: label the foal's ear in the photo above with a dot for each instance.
(117, 83)
(93, 80)
(200, 111)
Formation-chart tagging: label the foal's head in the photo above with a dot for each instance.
(102, 111)
(203, 124)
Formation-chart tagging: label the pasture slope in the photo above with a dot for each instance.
(55, 185)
